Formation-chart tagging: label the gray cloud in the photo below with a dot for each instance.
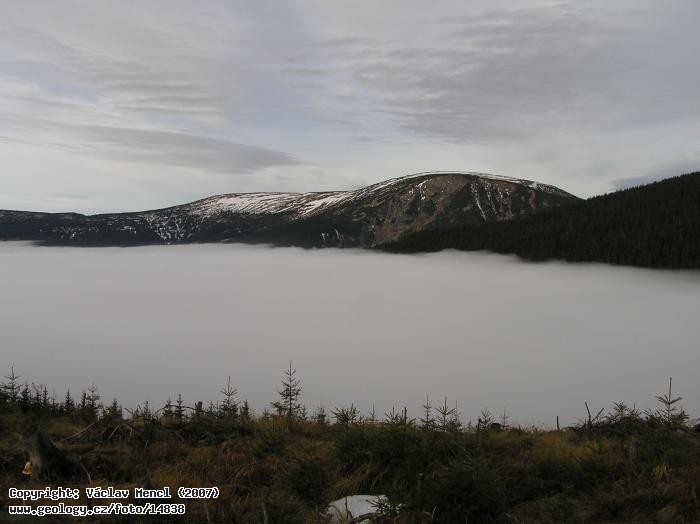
(573, 94)
(166, 148)
(163, 148)
(509, 73)
(147, 323)
(576, 96)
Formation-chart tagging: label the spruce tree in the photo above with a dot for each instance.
(288, 404)
(83, 401)
(446, 416)
(427, 422)
(168, 408)
(346, 416)
(245, 410)
(455, 423)
(12, 387)
(504, 419)
(114, 411)
(68, 403)
(229, 406)
(179, 408)
(92, 401)
(45, 399)
(371, 417)
(25, 400)
(36, 401)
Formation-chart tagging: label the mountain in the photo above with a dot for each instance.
(366, 217)
(656, 225)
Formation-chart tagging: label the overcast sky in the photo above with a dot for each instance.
(136, 105)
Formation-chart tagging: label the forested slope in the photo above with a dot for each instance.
(656, 225)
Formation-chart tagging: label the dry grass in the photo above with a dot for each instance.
(546, 476)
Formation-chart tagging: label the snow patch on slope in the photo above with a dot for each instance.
(299, 205)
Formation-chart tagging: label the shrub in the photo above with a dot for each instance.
(308, 479)
(470, 488)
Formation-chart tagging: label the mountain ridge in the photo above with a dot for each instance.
(364, 217)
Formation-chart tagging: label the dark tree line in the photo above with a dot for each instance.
(656, 225)
(35, 399)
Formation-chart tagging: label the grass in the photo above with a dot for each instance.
(623, 466)
(295, 470)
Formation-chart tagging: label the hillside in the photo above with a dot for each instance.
(656, 225)
(364, 217)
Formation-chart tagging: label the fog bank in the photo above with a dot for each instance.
(484, 330)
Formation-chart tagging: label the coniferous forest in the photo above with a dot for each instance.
(655, 225)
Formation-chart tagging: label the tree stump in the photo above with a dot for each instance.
(50, 463)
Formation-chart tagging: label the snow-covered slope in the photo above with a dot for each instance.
(298, 204)
(364, 217)
(304, 204)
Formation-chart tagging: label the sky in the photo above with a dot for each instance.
(368, 328)
(124, 106)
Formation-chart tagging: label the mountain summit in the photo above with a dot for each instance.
(366, 217)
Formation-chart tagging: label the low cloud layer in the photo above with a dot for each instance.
(127, 106)
(484, 330)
